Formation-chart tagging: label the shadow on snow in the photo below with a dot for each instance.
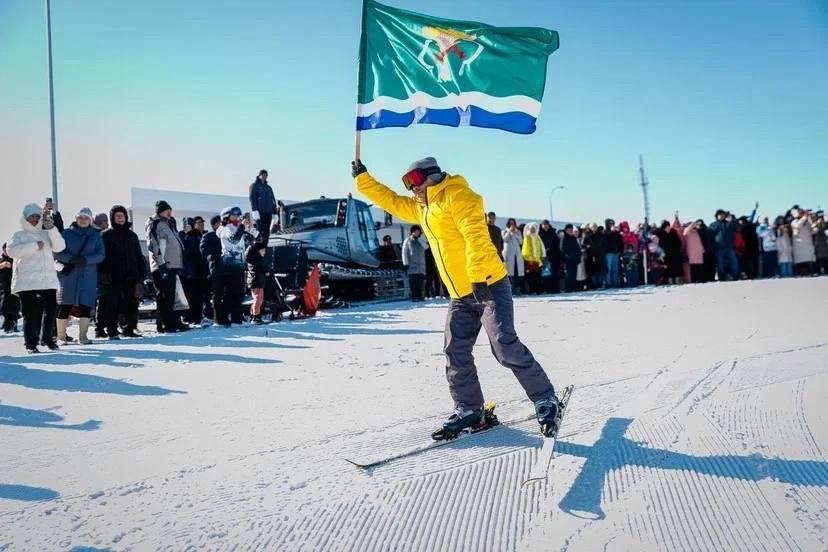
(24, 492)
(613, 450)
(26, 417)
(17, 374)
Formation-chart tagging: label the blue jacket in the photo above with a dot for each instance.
(85, 251)
(723, 234)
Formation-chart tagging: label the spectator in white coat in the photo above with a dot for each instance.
(513, 255)
(802, 238)
(784, 251)
(229, 285)
(34, 278)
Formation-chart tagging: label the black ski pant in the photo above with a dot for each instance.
(228, 289)
(195, 289)
(39, 311)
(416, 282)
(207, 299)
(572, 276)
(9, 308)
(465, 318)
(118, 299)
(263, 226)
(165, 317)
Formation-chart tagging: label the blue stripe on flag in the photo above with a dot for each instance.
(513, 121)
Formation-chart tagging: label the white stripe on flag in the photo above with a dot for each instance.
(421, 100)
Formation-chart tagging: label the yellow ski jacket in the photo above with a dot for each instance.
(453, 221)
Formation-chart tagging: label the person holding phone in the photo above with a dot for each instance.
(34, 278)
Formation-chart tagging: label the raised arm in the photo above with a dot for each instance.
(404, 208)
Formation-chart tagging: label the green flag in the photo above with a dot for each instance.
(414, 68)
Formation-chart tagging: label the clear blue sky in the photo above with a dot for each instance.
(728, 102)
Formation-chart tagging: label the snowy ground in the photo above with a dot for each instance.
(699, 422)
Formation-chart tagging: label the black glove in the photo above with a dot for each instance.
(163, 272)
(78, 260)
(357, 168)
(481, 292)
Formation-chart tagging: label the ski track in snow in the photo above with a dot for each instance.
(687, 431)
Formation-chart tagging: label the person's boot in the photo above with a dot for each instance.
(131, 332)
(62, 324)
(83, 329)
(461, 419)
(549, 415)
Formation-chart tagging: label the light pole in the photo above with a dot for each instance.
(551, 220)
(51, 102)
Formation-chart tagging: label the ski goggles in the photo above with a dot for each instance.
(414, 178)
(417, 177)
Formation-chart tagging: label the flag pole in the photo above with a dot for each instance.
(363, 56)
(51, 103)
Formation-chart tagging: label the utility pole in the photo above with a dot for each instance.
(551, 220)
(51, 103)
(645, 184)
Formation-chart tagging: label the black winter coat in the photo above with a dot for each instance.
(615, 242)
(123, 259)
(256, 268)
(9, 304)
(670, 242)
(552, 245)
(210, 248)
(571, 249)
(497, 239)
(195, 263)
(751, 239)
(596, 245)
(262, 198)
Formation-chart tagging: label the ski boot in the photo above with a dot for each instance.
(549, 412)
(466, 421)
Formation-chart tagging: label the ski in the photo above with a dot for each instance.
(432, 444)
(541, 468)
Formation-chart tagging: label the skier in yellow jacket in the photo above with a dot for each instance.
(452, 218)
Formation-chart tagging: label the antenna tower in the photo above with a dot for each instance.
(645, 185)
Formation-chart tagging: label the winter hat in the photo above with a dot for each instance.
(117, 209)
(225, 213)
(85, 212)
(215, 219)
(161, 206)
(100, 219)
(32, 209)
(426, 164)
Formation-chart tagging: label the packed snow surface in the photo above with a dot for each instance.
(699, 422)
